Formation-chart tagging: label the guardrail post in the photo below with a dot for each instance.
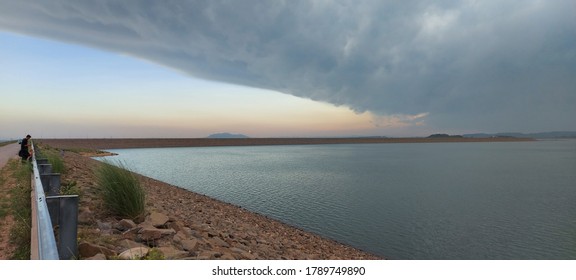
(51, 183)
(44, 168)
(64, 214)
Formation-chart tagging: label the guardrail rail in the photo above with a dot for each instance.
(50, 212)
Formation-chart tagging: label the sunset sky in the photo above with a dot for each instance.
(61, 90)
(285, 68)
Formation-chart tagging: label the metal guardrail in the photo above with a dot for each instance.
(47, 249)
(51, 210)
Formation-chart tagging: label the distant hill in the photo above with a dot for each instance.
(227, 135)
(539, 135)
(442, 135)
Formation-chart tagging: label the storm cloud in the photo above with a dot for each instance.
(485, 65)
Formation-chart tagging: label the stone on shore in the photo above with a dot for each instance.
(129, 243)
(171, 253)
(85, 216)
(190, 245)
(217, 242)
(150, 233)
(157, 219)
(134, 253)
(87, 250)
(126, 224)
(97, 257)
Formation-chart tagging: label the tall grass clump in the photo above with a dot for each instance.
(55, 159)
(122, 193)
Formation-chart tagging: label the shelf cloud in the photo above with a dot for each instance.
(488, 64)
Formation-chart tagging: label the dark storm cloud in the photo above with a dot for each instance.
(465, 64)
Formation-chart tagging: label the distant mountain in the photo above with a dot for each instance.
(539, 135)
(227, 135)
(442, 135)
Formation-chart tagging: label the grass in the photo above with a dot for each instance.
(121, 190)
(154, 254)
(54, 158)
(18, 204)
(4, 202)
(69, 188)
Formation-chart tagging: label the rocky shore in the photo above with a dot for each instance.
(184, 225)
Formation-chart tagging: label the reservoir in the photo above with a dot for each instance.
(486, 200)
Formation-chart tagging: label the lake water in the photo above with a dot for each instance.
(400, 201)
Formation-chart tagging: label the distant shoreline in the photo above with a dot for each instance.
(126, 143)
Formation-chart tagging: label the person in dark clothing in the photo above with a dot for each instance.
(25, 149)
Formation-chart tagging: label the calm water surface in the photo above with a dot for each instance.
(401, 201)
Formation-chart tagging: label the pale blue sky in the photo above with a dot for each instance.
(396, 68)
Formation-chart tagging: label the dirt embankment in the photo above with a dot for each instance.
(122, 143)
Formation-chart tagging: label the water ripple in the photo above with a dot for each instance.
(420, 201)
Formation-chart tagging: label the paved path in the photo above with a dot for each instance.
(7, 152)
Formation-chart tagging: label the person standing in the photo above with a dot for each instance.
(25, 148)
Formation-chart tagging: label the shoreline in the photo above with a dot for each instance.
(196, 226)
(128, 143)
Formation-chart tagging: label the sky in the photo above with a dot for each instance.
(76, 69)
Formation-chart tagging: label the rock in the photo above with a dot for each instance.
(262, 241)
(134, 253)
(87, 250)
(171, 253)
(241, 245)
(133, 230)
(189, 244)
(126, 224)
(217, 242)
(157, 219)
(97, 257)
(204, 227)
(85, 216)
(104, 227)
(177, 226)
(152, 233)
(194, 233)
(248, 256)
(166, 231)
(227, 256)
(237, 250)
(224, 235)
(179, 236)
(207, 255)
(149, 233)
(129, 243)
(188, 231)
